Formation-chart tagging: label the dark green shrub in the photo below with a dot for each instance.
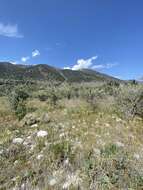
(18, 102)
(61, 150)
(138, 106)
(42, 97)
(21, 111)
(109, 150)
(53, 98)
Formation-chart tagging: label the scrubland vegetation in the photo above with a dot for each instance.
(85, 136)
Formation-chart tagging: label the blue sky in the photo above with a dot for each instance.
(106, 35)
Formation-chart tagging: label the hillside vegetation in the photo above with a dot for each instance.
(48, 73)
(71, 136)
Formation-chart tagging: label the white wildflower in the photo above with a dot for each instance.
(107, 124)
(73, 126)
(97, 151)
(17, 141)
(40, 156)
(32, 147)
(107, 134)
(62, 135)
(29, 137)
(66, 162)
(72, 179)
(101, 142)
(118, 119)
(119, 144)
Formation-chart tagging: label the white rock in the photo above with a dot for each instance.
(42, 133)
(23, 187)
(52, 182)
(34, 125)
(17, 141)
(16, 162)
(137, 156)
(14, 179)
(1, 151)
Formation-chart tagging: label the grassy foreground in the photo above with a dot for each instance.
(72, 137)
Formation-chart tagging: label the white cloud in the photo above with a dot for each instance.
(35, 53)
(118, 77)
(84, 63)
(9, 61)
(10, 30)
(24, 59)
(110, 65)
(100, 66)
(14, 62)
(88, 64)
(67, 68)
(104, 66)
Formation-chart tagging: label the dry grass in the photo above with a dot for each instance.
(85, 148)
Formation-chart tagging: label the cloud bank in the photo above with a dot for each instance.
(105, 66)
(89, 64)
(9, 30)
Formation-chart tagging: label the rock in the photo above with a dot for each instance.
(16, 162)
(52, 182)
(45, 118)
(30, 119)
(1, 151)
(34, 125)
(42, 133)
(136, 156)
(23, 187)
(17, 140)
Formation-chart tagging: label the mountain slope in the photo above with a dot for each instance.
(46, 72)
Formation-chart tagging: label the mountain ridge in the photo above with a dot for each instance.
(47, 72)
